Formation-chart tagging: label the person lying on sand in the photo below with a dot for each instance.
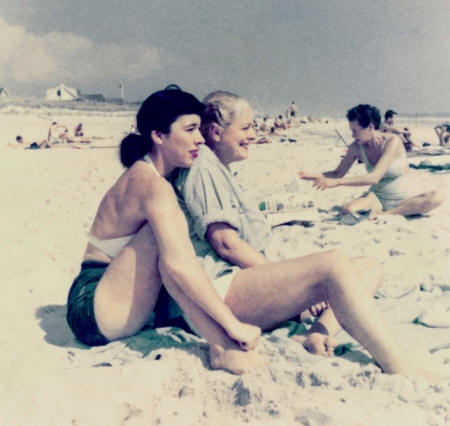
(405, 134)
(230, 234)
(392, 189)
(68, 138)
(20, 143)
(443, 133)
(139, 240)
(279, 123)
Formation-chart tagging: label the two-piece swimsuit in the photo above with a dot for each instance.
(80, 303)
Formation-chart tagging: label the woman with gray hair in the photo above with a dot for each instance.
(229, 235)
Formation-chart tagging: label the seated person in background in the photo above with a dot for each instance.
(74, 139)
(56, 133)
(20, 143)
(263, 127)
(392, 190)
(79, 130)
(443, 133)
(405, 134)
(279, 122)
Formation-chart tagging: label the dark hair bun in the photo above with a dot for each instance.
(132, 148)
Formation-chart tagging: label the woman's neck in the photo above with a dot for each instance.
(161, 166)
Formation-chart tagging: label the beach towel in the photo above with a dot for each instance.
(431, 167)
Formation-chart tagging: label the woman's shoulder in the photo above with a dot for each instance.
(391, 140)
(140, 179)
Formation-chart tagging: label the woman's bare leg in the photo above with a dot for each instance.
(367, 202)
(419, 204)
(319, 338)
(268, 294)
(127, 293)
(223, 351)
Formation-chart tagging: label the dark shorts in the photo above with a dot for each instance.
(80, 304)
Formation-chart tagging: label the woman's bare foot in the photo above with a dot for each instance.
(246, 335)
(232, 358)
(317, 343)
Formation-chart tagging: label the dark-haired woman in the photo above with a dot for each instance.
(139, 240)
(392, 189)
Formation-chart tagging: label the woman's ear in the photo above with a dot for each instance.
(156, 137)
(214, 132)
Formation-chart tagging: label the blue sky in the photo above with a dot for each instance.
(326, 55)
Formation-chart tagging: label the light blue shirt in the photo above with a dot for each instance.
(208, 193)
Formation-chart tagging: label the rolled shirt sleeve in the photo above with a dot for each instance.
(210, 194)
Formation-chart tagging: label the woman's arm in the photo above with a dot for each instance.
(177, 254)
(226, 242)
(342, 168)
(391, 150)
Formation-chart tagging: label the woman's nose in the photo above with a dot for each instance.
(199, 139)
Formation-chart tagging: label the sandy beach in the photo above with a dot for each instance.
(48, 200)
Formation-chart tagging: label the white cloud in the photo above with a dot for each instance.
(56, 56)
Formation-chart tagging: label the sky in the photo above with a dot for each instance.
(326, 55)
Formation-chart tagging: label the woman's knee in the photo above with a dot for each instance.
(370, 272)
(337, 263)
(348, 208)
(435, 199)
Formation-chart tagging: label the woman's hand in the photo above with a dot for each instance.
(325, 183)
(246, 335)
(308, 176)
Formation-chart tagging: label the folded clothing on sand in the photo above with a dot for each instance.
(354, 218)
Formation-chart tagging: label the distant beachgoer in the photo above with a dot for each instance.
(443, 133)
(405, 134)
(56, 133)
(279, 122)
(263, 127)
(139, 240)
(74, 139)
(230, 235)
(392, 189)
(20, 143)
(79, 130)
(292, 109)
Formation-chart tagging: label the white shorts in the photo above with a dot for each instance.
(221, 285)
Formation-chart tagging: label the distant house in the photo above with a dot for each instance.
(3, 92)
(62, 93)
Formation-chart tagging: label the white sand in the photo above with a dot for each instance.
(48, 200)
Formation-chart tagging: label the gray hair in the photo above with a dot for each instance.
(222, 107)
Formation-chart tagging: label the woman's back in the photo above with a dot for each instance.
(120, 214)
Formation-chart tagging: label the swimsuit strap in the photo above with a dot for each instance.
(148, 159)
(364, 157)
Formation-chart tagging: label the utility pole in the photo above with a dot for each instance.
(121, 91)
